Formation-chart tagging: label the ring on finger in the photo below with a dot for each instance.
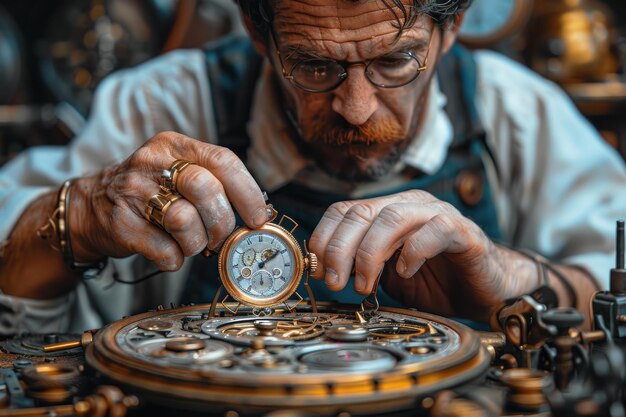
(169, 176)
(158, 205)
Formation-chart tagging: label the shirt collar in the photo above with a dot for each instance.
(274, 159)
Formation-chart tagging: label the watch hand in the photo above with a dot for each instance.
(269, 258)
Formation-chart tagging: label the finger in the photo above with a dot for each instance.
(208, 199)
(182, 221)
(334, 215)
(433, 238)
(323, 232)
(387, 234)
(239, 185)
(141, 236)
(342, 246)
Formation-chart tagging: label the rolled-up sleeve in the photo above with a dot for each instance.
(561, 187)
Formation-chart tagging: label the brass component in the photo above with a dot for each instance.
(258, 344)
(185, 344)
(85, 339)
(310, 262)
(495, 339)
(528, 388)
(106, 401)
(156, 325)
(359, 317)
(51, 383)
(55, 347)
(428, 402)
(507, 361)
(492, 341)
(421, 350)
(266, 327)
(591, 337)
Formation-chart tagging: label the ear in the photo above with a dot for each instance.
(451, 32)
(259, 43)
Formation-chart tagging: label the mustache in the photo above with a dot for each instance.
(340, 132)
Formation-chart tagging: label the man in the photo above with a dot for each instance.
(347, 112)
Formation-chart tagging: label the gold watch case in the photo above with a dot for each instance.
(232, 249)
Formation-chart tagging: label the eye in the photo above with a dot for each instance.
(314, 69)
(396, 60)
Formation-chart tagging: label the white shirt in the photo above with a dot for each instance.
(558, 191)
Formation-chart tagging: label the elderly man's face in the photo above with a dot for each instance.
(358, 130)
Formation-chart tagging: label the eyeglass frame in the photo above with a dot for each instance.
(345, 65)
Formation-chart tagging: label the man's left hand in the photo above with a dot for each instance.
(445, 265)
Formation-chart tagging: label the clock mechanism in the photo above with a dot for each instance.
(329, 361)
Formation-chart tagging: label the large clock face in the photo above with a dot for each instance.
(488, 21)
(261, 267)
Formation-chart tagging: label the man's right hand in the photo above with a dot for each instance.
(107, 210)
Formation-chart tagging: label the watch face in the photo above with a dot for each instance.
(261, 267)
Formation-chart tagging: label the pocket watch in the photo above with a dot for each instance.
(263, 267)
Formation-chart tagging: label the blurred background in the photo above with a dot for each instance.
(54, 54)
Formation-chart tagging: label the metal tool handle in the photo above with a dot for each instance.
(370, 304)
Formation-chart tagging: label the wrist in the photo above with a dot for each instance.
(82, 222)
(522, 271)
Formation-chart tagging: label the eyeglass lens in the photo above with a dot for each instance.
(389, 71)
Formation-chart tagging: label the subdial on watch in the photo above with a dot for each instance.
(246, 272)
(262, 282)
(248, 257)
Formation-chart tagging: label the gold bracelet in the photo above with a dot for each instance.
(49, 231)
(58, 222)
(63, 223)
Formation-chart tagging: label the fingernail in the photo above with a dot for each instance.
(401, 266)
(261, 216)
(167, 266)
(331, 277)
(359, 282)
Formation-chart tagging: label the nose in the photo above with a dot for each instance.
(355, 99)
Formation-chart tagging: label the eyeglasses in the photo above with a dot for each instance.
(323, 75)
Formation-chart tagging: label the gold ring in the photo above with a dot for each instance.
(158, 205)
(169, 176)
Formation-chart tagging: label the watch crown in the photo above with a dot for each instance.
(311, 262)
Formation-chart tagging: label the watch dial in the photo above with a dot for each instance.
(261, 264)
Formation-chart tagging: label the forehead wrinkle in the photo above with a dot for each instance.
(341, 29)
(346, 45)
(335, 21)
